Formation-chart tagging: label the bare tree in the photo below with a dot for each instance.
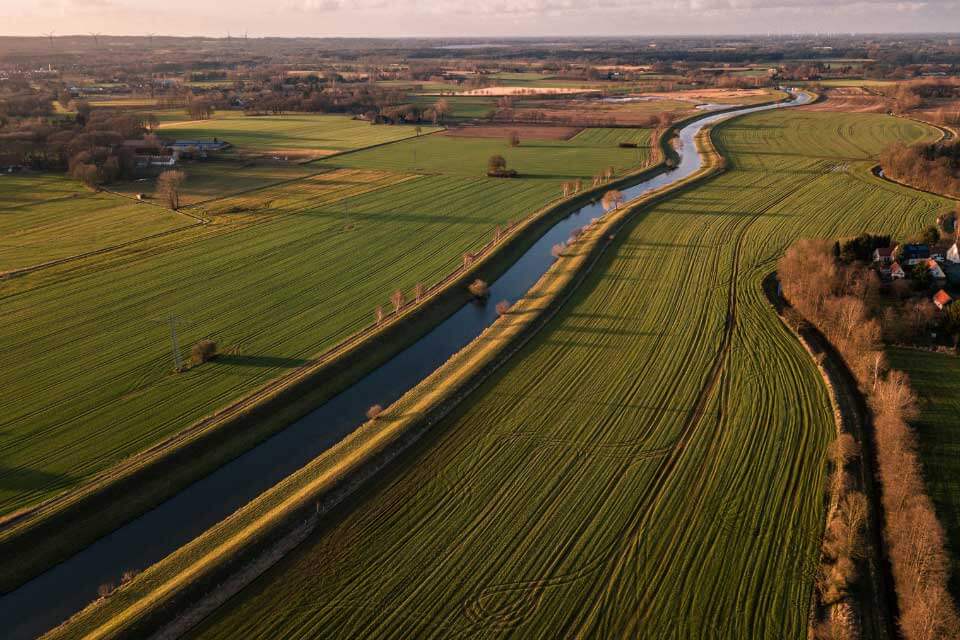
(169, 184)
(612, 199)
(397, 300)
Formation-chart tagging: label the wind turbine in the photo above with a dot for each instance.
(150, 36)
(50, 36)
(96, 39)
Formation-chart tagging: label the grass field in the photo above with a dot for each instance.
(555, 160)
(207, 180)
(650, 465)
(48, 217)
(936, 378)
(296, 133)
(282, 273)
(461, 107)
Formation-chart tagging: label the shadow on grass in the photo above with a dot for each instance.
(26, 479)
(258, 361)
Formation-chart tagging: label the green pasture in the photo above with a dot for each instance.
(295, 132)
(554, 160)
(46, 217)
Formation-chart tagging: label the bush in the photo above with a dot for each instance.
(479, 289)
(374, 412)
(203, 351)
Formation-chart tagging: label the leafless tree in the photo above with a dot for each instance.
(397, 300)
(169, 185)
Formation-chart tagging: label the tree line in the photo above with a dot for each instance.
(832, 296)
(931, 167)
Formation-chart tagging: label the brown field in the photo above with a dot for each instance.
(710, 95)
(851, 100)
(526, 132)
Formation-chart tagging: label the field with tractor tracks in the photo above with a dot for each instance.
(50, 217)
(651, 464)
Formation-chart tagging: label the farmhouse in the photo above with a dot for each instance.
(897, 272)
(914, 253)
(883, 255)
(149, 155)
(203, 146)
(942, 299)
(939, 252)
(935, 271)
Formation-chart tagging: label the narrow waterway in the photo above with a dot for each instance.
(55, 595)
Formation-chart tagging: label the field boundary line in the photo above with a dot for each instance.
(163, 591)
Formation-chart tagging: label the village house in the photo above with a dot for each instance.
(942, 299)
(953, 254)
(883, 255)
(912, 254)
(199, 146)
(149, 155)
(897, 272)
(935, 271)
(939, 252)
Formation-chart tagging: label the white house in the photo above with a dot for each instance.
(883, 255)
(897, 272)
(935, 271)
(953, 254)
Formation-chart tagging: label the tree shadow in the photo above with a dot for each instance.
(26, 479)
(259, 361)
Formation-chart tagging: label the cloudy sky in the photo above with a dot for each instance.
(473, 17)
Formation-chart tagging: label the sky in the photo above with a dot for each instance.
(469, 18)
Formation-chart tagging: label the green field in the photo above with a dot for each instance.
(282, 273)
(545, 160)
(650, 465)
(935, 377)
(461, 107)
(296, 133)
(48, 217)
(208, 180)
